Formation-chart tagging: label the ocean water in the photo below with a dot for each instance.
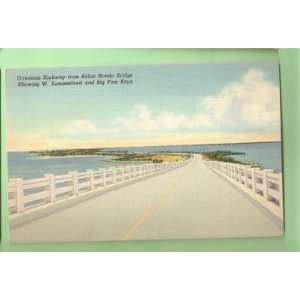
(267, 155)
(26, 165)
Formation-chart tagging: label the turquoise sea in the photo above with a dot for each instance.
(26, 165)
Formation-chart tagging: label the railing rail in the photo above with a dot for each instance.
(24, 195)
(263, 184)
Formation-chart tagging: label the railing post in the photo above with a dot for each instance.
(280, 189)
(246, 176)
(116, 173)
(92, 179)
(74, 175)
(123, 173)
(126, 170)
(240, 175)
(19, 195)
(253, 178)
(265, 182)
(52, 194)
(104, 177)
(230, 170)
(237, 176)
(136, 171)
(113, 175)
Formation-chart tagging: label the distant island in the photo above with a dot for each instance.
(123, 155)
(115, 155)
(73, 152)
(224, 156)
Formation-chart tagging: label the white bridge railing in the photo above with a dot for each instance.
(262, 184)
(24, 195)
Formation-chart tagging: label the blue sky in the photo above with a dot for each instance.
(166, 104)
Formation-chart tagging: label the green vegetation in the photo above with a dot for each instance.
(122, 155)
(76, 152)
(70, 152)
(115, 155)
(152, 157)
(223, 156)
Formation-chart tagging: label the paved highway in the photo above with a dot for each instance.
(187, 203)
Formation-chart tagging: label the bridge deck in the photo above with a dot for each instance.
(189, 202)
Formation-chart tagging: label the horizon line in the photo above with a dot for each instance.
(169, 145)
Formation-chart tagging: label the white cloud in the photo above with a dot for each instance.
(250, 104)
(142, 119)
(253, 102)
(80, 126)
(85, 126)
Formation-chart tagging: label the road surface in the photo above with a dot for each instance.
(187, 203)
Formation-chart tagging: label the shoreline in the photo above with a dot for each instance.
(36, 156)
(152, 146)
(139, 155)
(162, 157)
(113, 156)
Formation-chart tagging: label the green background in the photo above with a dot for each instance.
(289, 62)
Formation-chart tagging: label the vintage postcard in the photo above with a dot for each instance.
(149, 152)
